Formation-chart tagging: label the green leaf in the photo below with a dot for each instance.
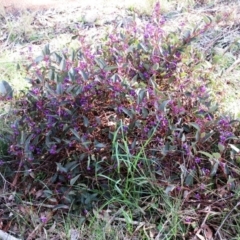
(47, 193)
(216, 155)
(141, 96)
(155, 67)
(5, 89)
(163, 106)
(73, 180)
(234, 148)
(73, 54)
(127, 112)
(85, 121)
(84, 75)
(75, 133)
(71, 165)
(59, 89)
(214, 169)
(207, 19)
(145, 112)
(23, 137)
(100, 62)
(190, 177)
(58, 140)
(206, 154)
(38, 59)
(71, 74)
(60, 206)
(18, 67)
(221, 147)
(27, 142)
(100, 145)
(143, 47)
(118, 189)
(207, 136)
(58, 58)
(195, 125)
(197, 136)
(60, 168)
(63, 65)
(169, 189)
(52, 74)
(46, 50)
(186, 36)
(110, 68)
(75, 37)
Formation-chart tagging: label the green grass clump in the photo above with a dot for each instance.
(123, 134)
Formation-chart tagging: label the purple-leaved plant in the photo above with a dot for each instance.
(135, 89)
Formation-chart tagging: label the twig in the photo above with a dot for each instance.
(6, 236)
(236, 63)
(134, 222)
(39, 204)
(15, 180)
(224, 220)
(5, 182)
(208, 211)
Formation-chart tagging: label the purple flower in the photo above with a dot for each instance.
(145, 129)
(149, 30)
(178, 188)
(202, 89)
(157, 8)
(36, 91)
(178, 54)
(164, 122)
(146, 75)
(53, 149)
(224, 122)
(120, 109)
(197, 160)
(162, 20)
(43, 219)
(205, 171)
(197, 196)
(188, 220)
(31, 148)
(224, 136)
(223, 139)
(38, 150)
(186, 148)
(132, 92)
(39, 105)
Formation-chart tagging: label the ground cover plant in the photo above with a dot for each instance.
(123, 134)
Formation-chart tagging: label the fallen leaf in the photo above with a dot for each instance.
(208, 233)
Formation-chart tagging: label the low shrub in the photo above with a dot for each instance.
(123, 107)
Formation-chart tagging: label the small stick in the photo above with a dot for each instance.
(6, 236)
(224, 220)
(39, 204)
